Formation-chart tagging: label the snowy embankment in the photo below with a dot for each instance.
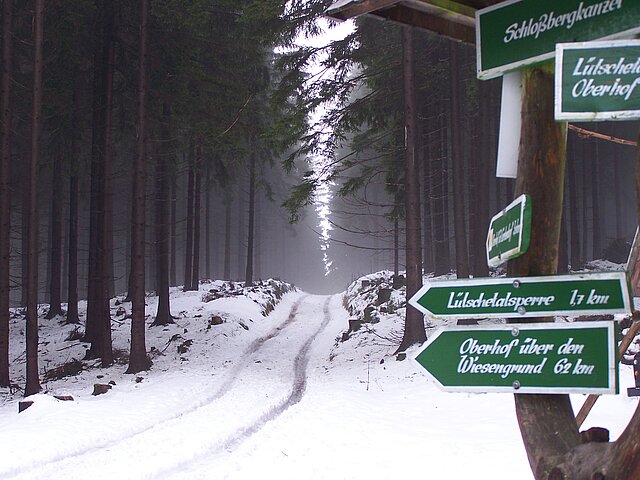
(289, 395)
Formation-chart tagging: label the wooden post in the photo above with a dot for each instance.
(547, 423)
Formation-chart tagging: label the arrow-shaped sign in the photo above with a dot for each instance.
(502, 297)
(525, 358)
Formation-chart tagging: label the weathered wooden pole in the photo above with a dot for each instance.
(546, 422)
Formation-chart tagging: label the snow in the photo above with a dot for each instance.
(285, 395)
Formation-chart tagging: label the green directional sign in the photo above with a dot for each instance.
(598, 80)
(525, 358)
(575, 294)
(516, 33)
(509, 232)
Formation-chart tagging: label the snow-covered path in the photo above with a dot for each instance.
(278, 397)
(264, 381)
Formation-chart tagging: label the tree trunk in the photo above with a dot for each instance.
(510, 190)
(74, 193)
(5, 187)
(188, 258)
(94, 287)
(107, 223)
(94, 275)
(24, 237)
(138, 358)
(239, 253)
(227, 240)
(585, 200)
(595, 191)
(439, 178)
(55, 266)
(33, 383)
(252, 210)
(482, 179)
(72, 299)
(441, 187)
(197, 220)
(619, 222)
(207, 224)
(457, 162)
(427, 231)
(546, 422)
(173, 276)
(98, 330)
(163, 199)
(574, 229)
(257, 241)
(563, 249)
(396, 246)
(414, 322)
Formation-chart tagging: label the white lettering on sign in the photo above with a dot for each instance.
(570, 348)
(563, 367)
(506, 233)
(532, 347)
(592, 299)
(588, 88)
(581, 369)
(594, 66)
(462, 300)
(549, 21)
(471, 346)
(470, 364)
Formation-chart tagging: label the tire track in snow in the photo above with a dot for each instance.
(300, 365)
(298, 388)
(253, 347)
(232, 376)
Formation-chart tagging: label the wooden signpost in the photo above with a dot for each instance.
(575, 357)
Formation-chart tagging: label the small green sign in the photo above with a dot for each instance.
(509, 232)
(524, 358)
(598, 80)
(502, 297)
(516, 33)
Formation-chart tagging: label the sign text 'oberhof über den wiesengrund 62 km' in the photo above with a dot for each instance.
(523, 358)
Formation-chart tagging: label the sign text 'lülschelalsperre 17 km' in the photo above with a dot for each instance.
(525, 297)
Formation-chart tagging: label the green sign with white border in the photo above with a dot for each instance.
(579, 357)
(516, 33)
(509, 232)
(598, 80)
(525, 297)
